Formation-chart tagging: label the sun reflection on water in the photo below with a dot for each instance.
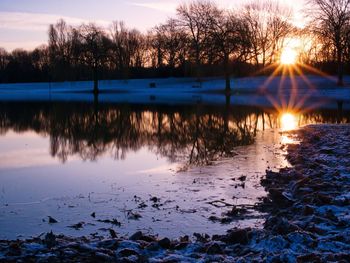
(288, 121)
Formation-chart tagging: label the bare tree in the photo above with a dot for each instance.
(94, 49)
(158, 47)
(4, 58)
(61, 40)
(194, 18)
(169, 44)
(269, 26)
(121, 48)
(228, 34)
(128, 47)
(41, 58)
(138, 49)
(331, 19)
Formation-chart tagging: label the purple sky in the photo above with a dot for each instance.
(24, 23)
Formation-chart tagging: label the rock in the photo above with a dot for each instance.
(214, 218)
(165, 243)
(50, 240)
(142, 205)
(185, 239)
(108, 221)
(126, 252)
(235, 211)
(322, 199)
(308, 210)
(313, 257)
(331, 216)
(129, 244)
(154, 199)
(77, 226)
(112, 233)
(93, 214)
(148, 238)
(136, 236)
(129, 259)
(181, 245)
(201, 238)
(133, 215)
(84, 247)
(214, 249)
(275, 244)
(52, 220)
(108, 244)
(280, 197)
(242, 178)
(237, 236)
(99, 256)
(280, 225)
(154, 246)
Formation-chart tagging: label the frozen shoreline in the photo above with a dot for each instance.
(257, 91)
(308, 204)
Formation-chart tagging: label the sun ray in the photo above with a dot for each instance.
(294, 88)
(281, 86)
(267, 82)
(264, 69)
(303, 77)
(291, 89)
(318, 72)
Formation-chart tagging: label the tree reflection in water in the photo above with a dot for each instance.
(194, 134)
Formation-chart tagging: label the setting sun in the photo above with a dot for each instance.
(288, 56)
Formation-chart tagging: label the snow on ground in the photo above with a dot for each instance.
(259, 91)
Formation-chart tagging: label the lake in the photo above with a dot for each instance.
(167, 170)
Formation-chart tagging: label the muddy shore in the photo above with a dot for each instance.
(308, 208)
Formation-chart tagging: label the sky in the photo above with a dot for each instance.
(24, 23)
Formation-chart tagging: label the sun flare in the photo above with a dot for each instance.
(288, 56)
(288, 121)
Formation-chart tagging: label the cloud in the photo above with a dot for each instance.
(37, 21)
(169, 7)
(34, 27)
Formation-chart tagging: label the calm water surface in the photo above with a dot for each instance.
(163, 170)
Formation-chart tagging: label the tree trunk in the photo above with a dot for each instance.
(159, 58)
(227, 114)
(227, 75)
(198, 64)
(95, 73)
(340, 67)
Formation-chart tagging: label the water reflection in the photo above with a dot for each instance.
(288, 121)
(194, 134)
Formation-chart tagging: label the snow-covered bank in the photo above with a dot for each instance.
(308, 206)
(258, 91)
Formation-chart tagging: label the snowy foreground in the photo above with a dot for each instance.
(308, 206)
(254, 91)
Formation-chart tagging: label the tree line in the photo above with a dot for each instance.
(201, 40)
